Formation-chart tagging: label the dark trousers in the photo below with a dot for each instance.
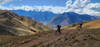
(59, 31)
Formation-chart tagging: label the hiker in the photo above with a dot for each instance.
(59, 29)
(80, 26)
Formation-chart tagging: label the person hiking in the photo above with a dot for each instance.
(59, 29)
(80, 26)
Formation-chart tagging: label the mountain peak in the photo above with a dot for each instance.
(69, 18)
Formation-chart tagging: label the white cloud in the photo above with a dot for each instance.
(84, 7)
(4, 1)
(92, 9)
(68, 3)
(36, 8)
(78, 6)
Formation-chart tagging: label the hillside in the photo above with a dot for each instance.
(13, 24)
(93, 24)
(70, 38)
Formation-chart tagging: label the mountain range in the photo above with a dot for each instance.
(51, 19)
(42, 17)
(70, 18)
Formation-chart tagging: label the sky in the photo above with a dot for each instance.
(38, 2)
(91, 7)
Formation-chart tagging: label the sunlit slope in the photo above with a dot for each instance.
(94, 24)
(13, 24)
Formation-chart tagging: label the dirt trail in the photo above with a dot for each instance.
(45, 38)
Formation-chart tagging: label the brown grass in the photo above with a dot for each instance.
(85, 38)
(12, 41)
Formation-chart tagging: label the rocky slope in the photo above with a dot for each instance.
(89, 36)
(13, 24)
(86, 37)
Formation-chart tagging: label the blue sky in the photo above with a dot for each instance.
(41, 2)
(91, 7)
(95, 1)
(37, 2)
